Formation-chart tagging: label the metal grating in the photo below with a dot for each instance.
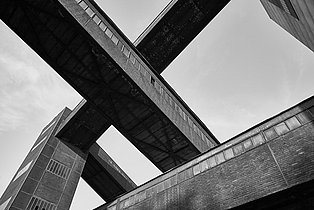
(58, 169)
(40, 204)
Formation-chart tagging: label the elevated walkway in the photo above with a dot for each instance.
(90, 53)
(269, 166)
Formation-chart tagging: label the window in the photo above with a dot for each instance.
(248, 144)
(190, 122)
(114, 39)
(204, 165)
(208, 142)
(220, 158)
(257, 140)
(203, 136)
(152, 80)
(132, 58)
(212, 162)
(229, 154)
(102, 26)
(176, 107)
(196, 169)
(270, 134)
(286, 6)
(184, 115)
(281, 128)
(293, 123)
(199, 132)
(126, 51)
(181, 112)
(90, 12)
(96, 19)
(83, 5)
(238, 149)
(108, 33)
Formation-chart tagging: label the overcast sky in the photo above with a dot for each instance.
(241, 70)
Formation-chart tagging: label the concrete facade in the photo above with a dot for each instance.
(295, 16)
(272, 161)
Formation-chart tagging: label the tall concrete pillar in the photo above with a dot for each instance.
(48, 176)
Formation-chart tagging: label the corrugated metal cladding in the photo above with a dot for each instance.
(295, 16)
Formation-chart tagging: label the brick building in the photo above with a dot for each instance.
(266, 167)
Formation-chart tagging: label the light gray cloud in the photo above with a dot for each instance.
(26, 90)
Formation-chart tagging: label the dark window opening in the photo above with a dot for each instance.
(152, 80)
(286, 6)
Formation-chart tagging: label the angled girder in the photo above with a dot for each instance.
(159, 55)
(83, 126)
(104, 175)
(148, 39)
(174, 29)
(101, 76)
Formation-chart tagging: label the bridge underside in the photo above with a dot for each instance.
(83, 127)
(57, 37)
(173, 30)
(104, 176)
(89, 119)
(45, 26)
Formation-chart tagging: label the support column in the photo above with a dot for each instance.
(48, 177)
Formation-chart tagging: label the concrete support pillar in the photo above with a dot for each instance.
(48, 177)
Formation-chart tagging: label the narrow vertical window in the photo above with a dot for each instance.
(152, 80)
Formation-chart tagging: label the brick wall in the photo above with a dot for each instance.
(274, 156)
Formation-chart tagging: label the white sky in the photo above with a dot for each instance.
(241, 70)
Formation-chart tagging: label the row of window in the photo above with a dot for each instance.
(22, 171)
(170, 182)
(236, 150)
(127, 52)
